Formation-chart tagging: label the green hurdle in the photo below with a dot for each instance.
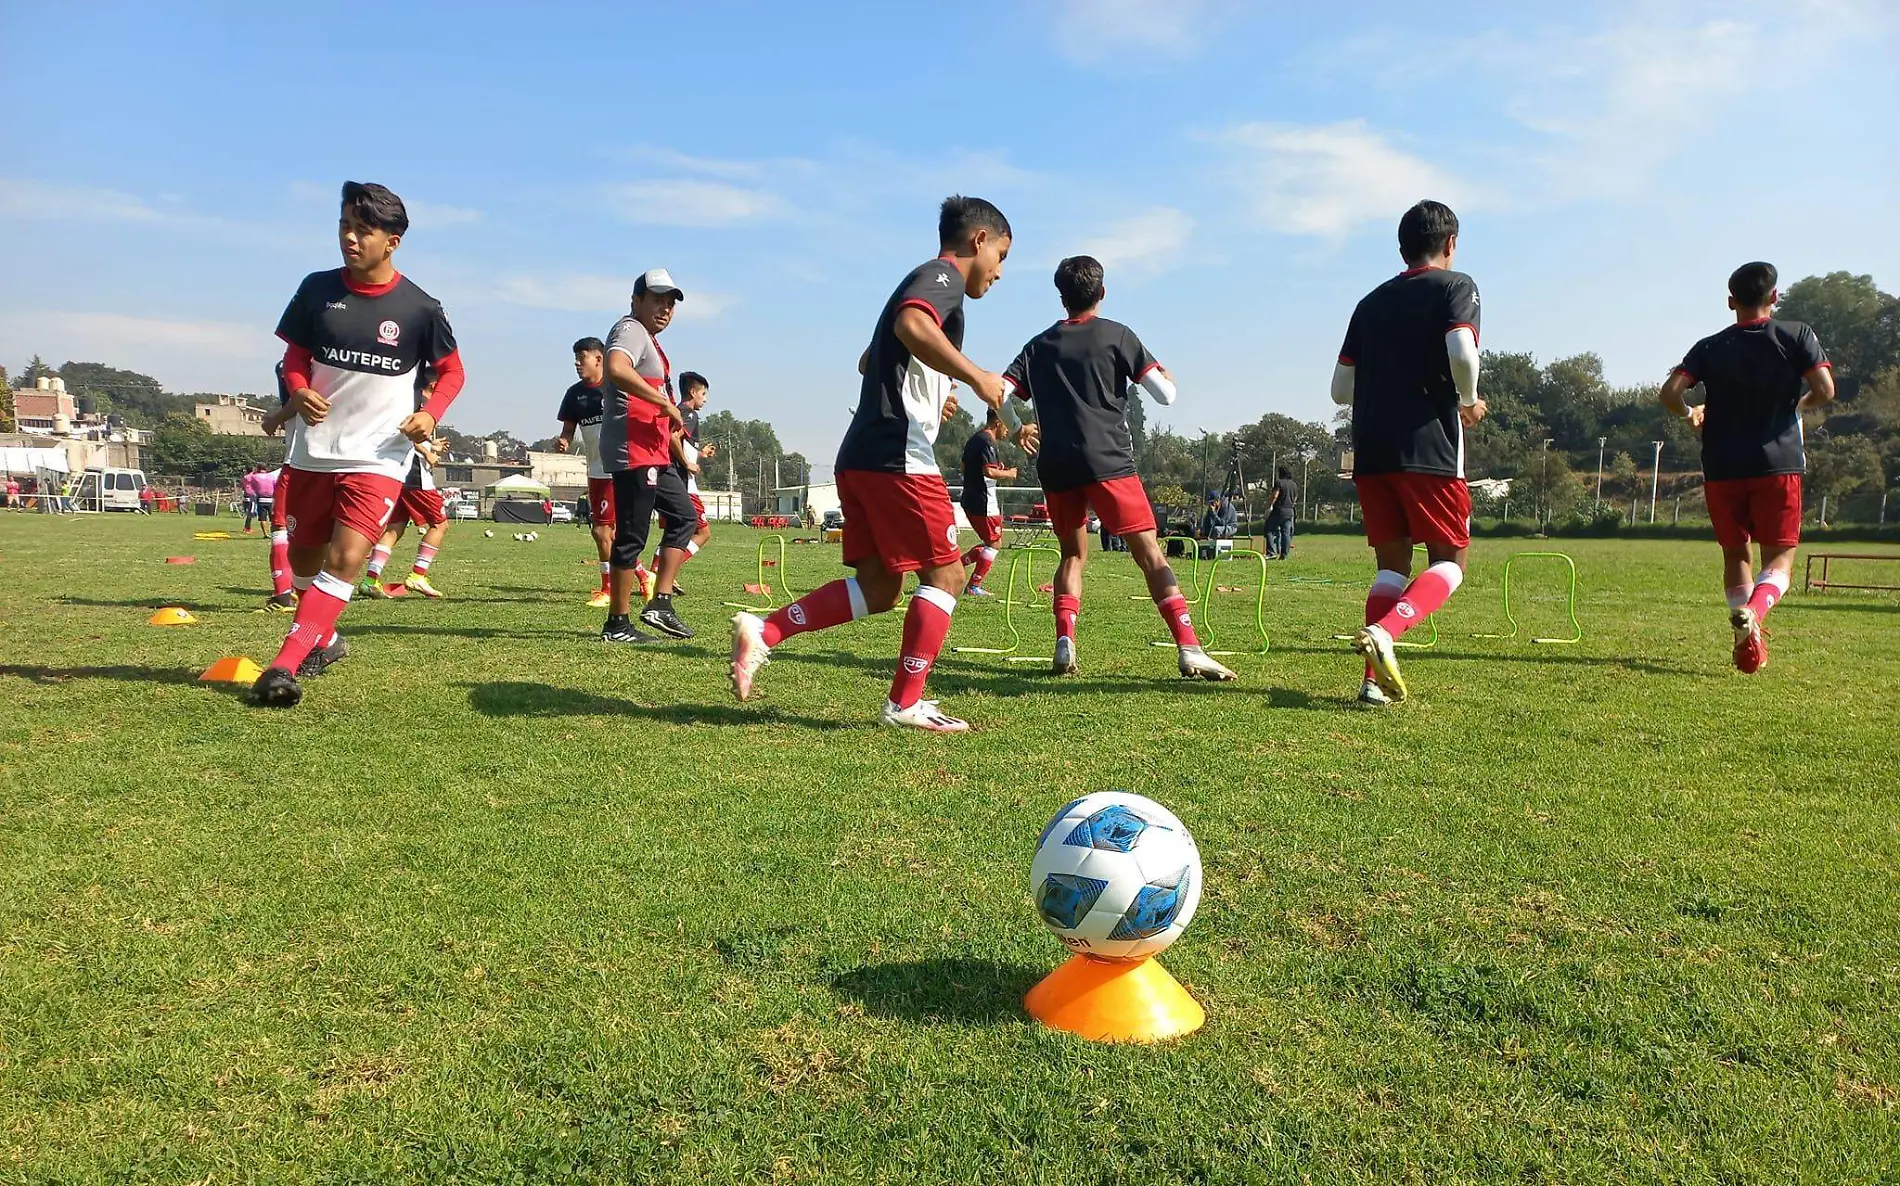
(1018, 558)
(1570, 606)
(765, 587)
(1259, 602)
(1431, 622)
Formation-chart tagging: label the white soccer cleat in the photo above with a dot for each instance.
(922, 715)
(749, 652)
(1371, 696)
(1197, 664)
(1376, 645)
(977, 591)
(1063, 661)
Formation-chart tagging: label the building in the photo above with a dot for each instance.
(231, 416)
(790, 501)
(46, 408)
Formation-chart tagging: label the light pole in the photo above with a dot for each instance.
(1202, 492)
(1544, 484)
(1655, 477)
(1601, 441)
(1306, 504)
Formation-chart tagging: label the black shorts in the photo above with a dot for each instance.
(638, 493)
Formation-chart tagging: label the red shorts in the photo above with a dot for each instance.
(904, 520)
(279, 497)
(699, 511)
(423, 507)
(1766, 510)
(1120, 503)
(600, 500)
(988, 528)
(1425, 508)
(318, 503)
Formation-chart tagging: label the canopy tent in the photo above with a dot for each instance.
(518, 486)
(16, 459)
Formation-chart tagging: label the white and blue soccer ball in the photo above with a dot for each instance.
(1116, 876)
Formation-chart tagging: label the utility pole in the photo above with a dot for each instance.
(1601, 441)
(1306, 504)
(1544, 485)
(1655, 477)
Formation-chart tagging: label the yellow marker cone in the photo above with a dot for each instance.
(234, 669)
(1115, 1002)
(172, 615)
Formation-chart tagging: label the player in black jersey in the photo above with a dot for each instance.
(1409, 370)
(1080, 374)
(1753, 376)
(982, 468)
(583, 406)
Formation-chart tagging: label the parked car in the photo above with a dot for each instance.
(464, 510)
(562, 513)
(834, 519)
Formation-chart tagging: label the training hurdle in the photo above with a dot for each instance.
(1431, 622)
(1018, 557)
(764, 587)
(1809, 584)
(1570, 606)
(1259, 602)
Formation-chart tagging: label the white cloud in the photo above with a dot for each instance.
(29, 200)
(1132, 31)
(1325, 180)
(434, 216)
(680, 162)
(182, 355)
(682, 202)
(1148, 242)
(579, 292)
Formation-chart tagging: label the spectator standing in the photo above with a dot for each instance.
(1280, 516)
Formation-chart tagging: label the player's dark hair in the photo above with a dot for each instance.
(375, 206)
(993, 419)
(1079, 281)
(1751, 284)
(1286, 474)
(1425, 231)
(590, 344)
(961, 217)
(691, 381)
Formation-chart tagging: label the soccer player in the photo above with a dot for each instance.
(283, 598)
(1080, 373)
(982, 468)
(687, 454)
(1752, 375)
(636, 436)
(1409, 370)
(421, 504)
(358, 341)
(898, 517)
(582, 407)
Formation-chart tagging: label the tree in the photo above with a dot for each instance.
(135, 397)
(1859, 325)
(1548, 483)
(1623, 477)
(1511, 429)
(1842, 465)
(1571, 398)
(7, 423)
(951, 437)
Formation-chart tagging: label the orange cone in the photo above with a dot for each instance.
(1115, 1002)
(235, 669)
(171, 615)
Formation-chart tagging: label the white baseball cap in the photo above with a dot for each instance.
(657, 280)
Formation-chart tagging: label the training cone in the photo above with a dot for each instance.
(234, 669)
(1115, 1002)
(171, 615)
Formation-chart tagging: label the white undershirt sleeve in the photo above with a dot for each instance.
(1461, 346)
(1008, 407)
(1342, 384)
(1159, 387)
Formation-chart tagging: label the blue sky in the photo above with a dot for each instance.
(169, 172)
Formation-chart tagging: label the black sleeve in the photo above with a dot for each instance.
(1692, 362)
(568, 411)
(1461, 304)
(1018, 373)
(298, 324)
(1349, 349)
(936, 288)
(1140, 362)
(283, 388)
(990, 455)
(441, 339)
(1807, 350)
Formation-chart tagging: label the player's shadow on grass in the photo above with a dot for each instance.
(1524, 654)
(1865, 606)
(940, 991)
(147, 603)
(53, 676)
(517, 699)
(479, 632)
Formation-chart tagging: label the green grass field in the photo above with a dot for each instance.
(500, 904)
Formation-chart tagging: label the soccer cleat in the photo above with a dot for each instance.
(276, 688)
(1751, 641)
(1196, 664)
(679, 590)
(281, 603)
(372, 583)
(977, 591)
(1370, 696)
(1063, 662)
(418, 582)
(749, 652)
(922, 715)
(647, 579)
(1376, 645)
(661, 617)
(320, 660)
(600, 600)
(621, 630)
(390, 590)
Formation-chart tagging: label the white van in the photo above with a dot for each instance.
(108, 490)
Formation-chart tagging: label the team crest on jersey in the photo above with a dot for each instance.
(387, 333)
(1404, 610)
(916, 666)
(943, 278)
(950, 533)
(290, 524)
(796, 613)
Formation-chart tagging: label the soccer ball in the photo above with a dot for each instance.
(489, 534)
(1116, 876)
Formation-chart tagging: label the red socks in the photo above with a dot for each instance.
(1422, 598)
(425, 556)
(926, 625)
(1387, 588)
(1767, 594)
(317, 611)
(1174, 611)
(1067, 607)
(821, 609)
(985, 557)
(279, 562)
(606, 576)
